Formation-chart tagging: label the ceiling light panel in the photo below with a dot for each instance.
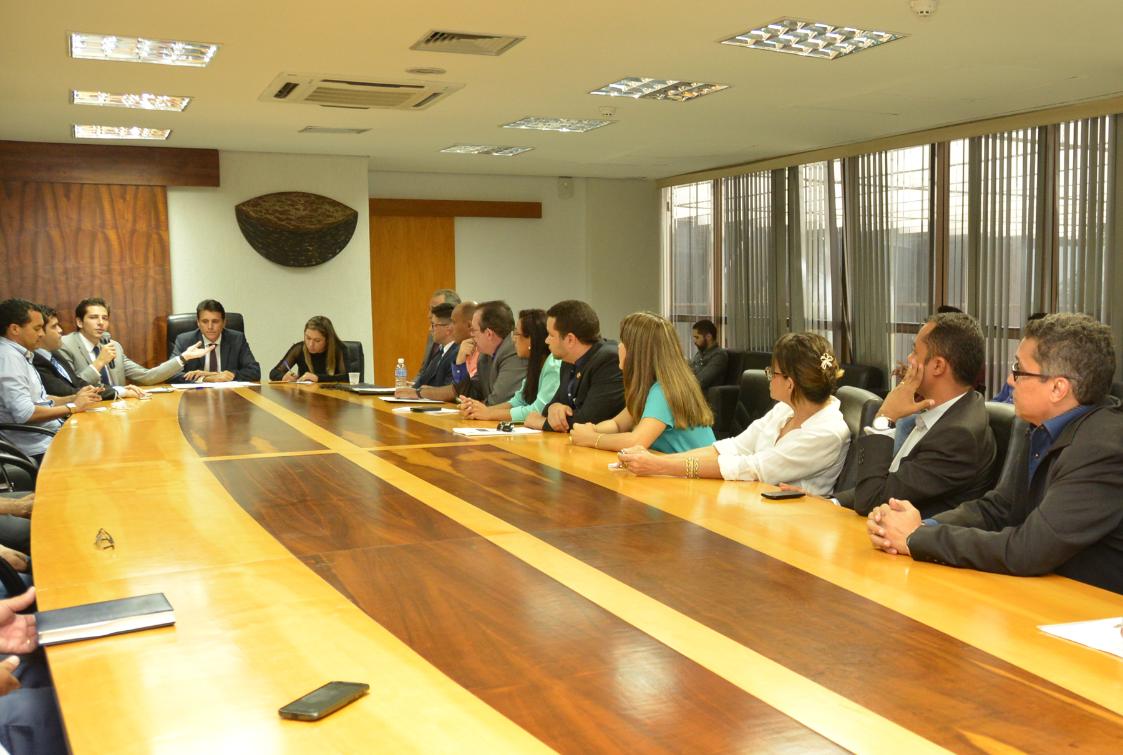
(811, 40)
(120, 132)
(641, 88)
(142, 101)
(485, 149)
(567, 125)
(168, 52)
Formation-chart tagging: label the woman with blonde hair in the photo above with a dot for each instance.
(320, 358)
(801, 441)
(663, 404)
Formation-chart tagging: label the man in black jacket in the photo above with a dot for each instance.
(56, 371)
(229, 359)
(1062, 511)
(592, 386)
(941, 450)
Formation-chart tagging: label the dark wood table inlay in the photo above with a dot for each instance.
(219, 422)
(935, 685)
(357, 423)
(569, 672)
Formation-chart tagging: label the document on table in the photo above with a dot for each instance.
(227, 384)
(1099, 634)
(409, 410)
(394, 400)
(481, 432)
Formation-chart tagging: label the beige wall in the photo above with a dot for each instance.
(211, 259)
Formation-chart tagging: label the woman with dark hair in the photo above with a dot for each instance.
(321, 357)
(801, 441)
(663, 404)
(542, 374)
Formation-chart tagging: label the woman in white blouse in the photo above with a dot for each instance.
(801, 441)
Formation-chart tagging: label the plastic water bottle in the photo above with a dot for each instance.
(401, 377)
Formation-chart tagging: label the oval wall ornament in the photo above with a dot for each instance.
(295, 228)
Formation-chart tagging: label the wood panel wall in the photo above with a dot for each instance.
(410, 257)
(63, 242)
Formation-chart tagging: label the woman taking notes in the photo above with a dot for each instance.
(802, 440)
(663, 404)
(542, 374)
(322, 357)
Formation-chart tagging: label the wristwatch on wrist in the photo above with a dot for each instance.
(881, 422)
(70, 407)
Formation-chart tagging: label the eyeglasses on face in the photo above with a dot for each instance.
(1017, 372)
(771, 373)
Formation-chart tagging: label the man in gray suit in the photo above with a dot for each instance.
(1060, 511)
(936, 452)
(101, 361)
(500, 370)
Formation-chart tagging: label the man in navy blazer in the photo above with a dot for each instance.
(230, 359)
(437, 371)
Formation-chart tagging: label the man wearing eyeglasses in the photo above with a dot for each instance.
(1062, 512)
(500, 370)
(936, 452)
(437, 372)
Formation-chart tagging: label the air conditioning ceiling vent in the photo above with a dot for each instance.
(466, 44)
(351, 92)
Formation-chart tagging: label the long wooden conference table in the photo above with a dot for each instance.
(516, 595)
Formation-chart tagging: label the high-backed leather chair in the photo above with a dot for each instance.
(757, 360)
(1013, 460)
(863, 376)
(354, 359)
(858, 407)
(723, 399)
(187, 322)
(1001, 418)
(753, 400)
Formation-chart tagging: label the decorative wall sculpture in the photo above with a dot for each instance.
(295, 228)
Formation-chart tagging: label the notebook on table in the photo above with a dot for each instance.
(103, 619)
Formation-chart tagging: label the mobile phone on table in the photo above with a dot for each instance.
(781, 495)
(421, 409)
(324, 701)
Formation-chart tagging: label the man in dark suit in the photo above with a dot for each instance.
(1061, 511)
(591, 387)
(440, 296)
(936, 452)
(231, 357)
(55, 370)
(437, 372)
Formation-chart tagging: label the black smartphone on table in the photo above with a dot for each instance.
(781, 495)
(324, 701)
(420, 409)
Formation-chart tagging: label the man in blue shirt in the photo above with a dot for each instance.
(1061, 511)
(22, 397)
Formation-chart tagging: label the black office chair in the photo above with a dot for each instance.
(858, 407)
(1116, 390)
(753, 400)
(863, 376)
(1000, 416)
(187, 322)
(354, 359)
(18, 471)
(723, 399)
(1013, 462)
(757, 360)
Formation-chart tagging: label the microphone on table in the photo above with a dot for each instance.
(105, 339)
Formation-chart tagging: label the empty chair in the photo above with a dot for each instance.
(354, 359)
(863, 376)
(753, 400)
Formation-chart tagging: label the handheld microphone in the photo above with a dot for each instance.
(105, 339)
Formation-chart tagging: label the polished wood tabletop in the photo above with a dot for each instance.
(514, 594)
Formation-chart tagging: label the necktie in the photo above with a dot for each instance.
(59, 369)
(105, 379)
(212, 360)
(904, 429)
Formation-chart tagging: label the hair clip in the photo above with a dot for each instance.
(826, 361)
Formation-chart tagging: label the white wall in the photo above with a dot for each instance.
(211, 259)
(600, 245)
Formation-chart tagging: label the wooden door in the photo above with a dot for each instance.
(410, 257)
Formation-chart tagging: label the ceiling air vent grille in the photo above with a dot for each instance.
(466, 44)
(341, 92)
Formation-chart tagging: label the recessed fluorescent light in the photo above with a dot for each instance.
(120, 132)
(142, 101)
(641, 88)
(168, 52)
(811, 40)
(485, 149)
(569, 125)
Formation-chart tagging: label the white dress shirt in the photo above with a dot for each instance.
(809, 457)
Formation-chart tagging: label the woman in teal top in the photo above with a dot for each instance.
(543, 371)
(659, 389)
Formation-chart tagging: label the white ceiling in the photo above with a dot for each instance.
(973, 59)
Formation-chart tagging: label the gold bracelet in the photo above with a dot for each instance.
(597, 444)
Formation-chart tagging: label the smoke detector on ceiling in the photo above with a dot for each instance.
(923, 8)
(356, 93)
